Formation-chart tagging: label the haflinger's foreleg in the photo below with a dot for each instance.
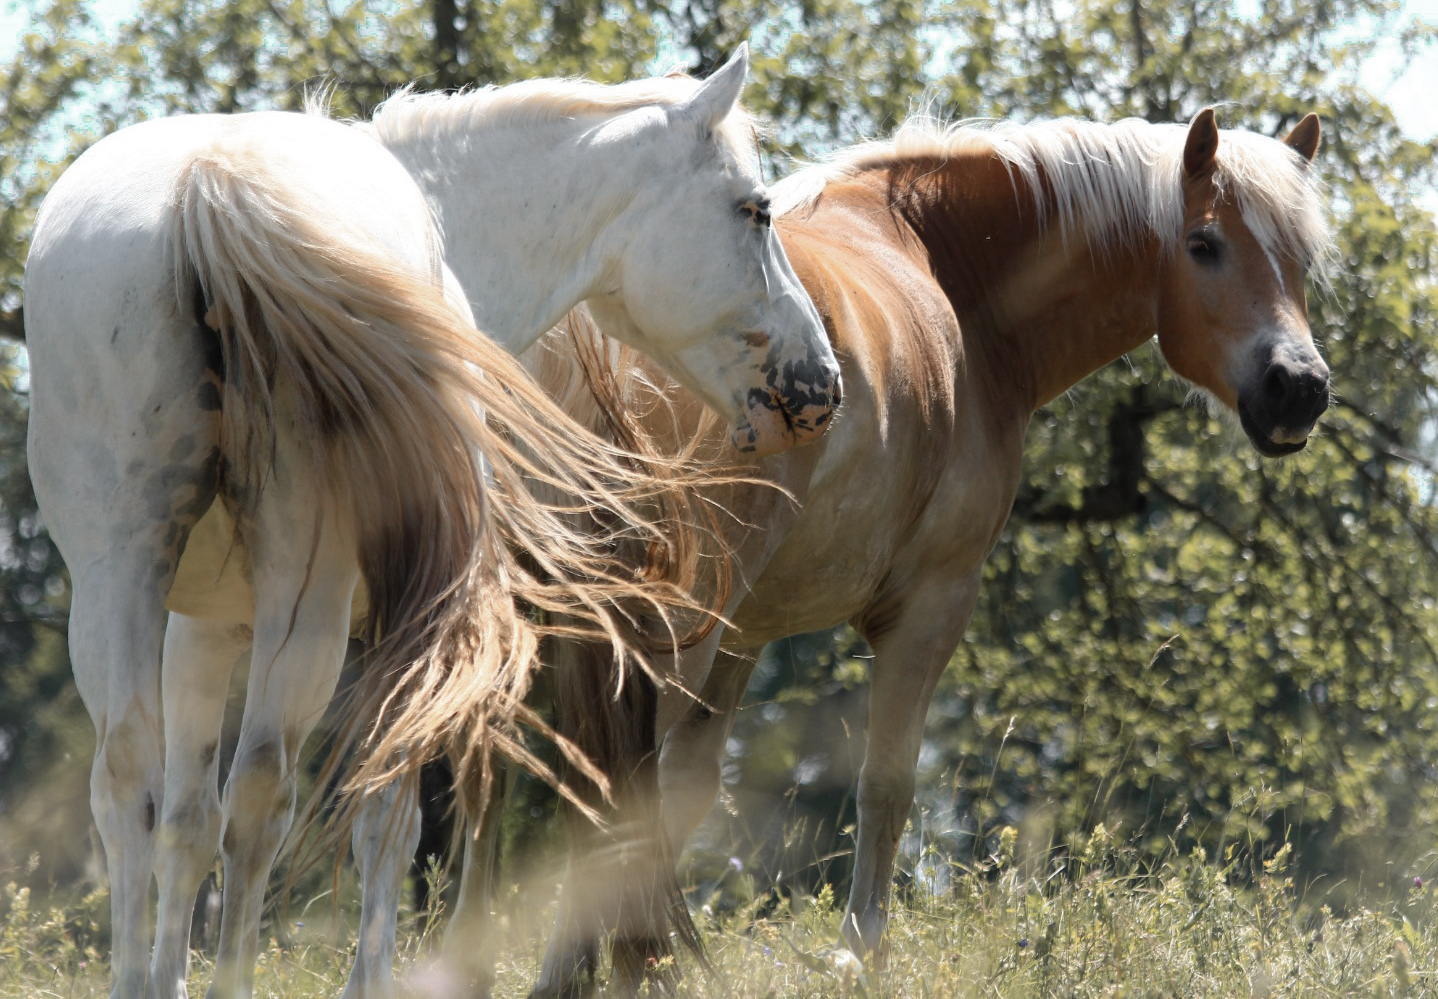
(910, 655)
(691, 762)
(303, 555)
(200, 655)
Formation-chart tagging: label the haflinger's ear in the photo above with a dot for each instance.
(717, 95)
(1201, 149)
(1305, 135)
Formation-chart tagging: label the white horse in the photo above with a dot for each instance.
(250, 316)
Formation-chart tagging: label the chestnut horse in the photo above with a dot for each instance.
(966, 277)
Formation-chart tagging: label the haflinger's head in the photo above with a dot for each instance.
(1233, 316)
(703, 285)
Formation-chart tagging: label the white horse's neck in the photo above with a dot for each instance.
(528, 214)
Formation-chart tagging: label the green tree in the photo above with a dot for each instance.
(1176, 636)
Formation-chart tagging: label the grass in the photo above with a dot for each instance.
(1196, 927)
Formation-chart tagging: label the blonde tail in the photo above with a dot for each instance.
(392, 386)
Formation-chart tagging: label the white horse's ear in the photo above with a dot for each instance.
(718, 95)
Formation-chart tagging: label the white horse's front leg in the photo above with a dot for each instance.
(386, 832)
(909, 658)
(468, 952)
(199, 658)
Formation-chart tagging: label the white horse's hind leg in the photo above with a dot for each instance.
(116, 616)
(386, 833)
(199, 658)
(303, 587)
(123, 457)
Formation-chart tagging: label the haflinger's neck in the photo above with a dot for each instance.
(1040, 304)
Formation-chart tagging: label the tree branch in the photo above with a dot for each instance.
(12, 324)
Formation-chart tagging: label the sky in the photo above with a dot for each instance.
(1412, 93)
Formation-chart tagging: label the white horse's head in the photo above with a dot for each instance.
(695, 277)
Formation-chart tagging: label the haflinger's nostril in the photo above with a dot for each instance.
(1295, 395)
(1277, 388)
(1313, 392)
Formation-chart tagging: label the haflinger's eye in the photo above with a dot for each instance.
(1203, 246)
(757, 210)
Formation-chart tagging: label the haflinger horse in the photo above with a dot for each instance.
(966, 276)
(260, 402)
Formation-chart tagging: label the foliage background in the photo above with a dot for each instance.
(1177, 639)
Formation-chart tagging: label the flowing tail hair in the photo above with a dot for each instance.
(406, 407)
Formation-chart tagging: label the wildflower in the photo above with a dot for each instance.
(736, 863)
(1417, 881)
(1023, 942)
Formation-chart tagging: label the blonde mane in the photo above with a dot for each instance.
(1106, 182)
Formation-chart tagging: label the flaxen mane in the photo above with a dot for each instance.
(1106, 182)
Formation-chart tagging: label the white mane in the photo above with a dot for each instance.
(1117, 181)
(412, 116)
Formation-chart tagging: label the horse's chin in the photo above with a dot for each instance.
(763, 433)
(1265, 444)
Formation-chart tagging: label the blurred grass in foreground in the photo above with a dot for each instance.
(1195, 927)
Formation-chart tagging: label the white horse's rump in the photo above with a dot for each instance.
(142, 415)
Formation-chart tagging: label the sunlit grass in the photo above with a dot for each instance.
(1100, 927)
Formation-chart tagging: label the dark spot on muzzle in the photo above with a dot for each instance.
(797, 388)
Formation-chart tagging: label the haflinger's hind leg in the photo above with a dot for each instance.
(386, 832)
(910, 655)
(305, 571)
(199, 658)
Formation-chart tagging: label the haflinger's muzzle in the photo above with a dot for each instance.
(1278, 410)
(794, 408)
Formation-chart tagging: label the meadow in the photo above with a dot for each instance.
(1099, 925)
